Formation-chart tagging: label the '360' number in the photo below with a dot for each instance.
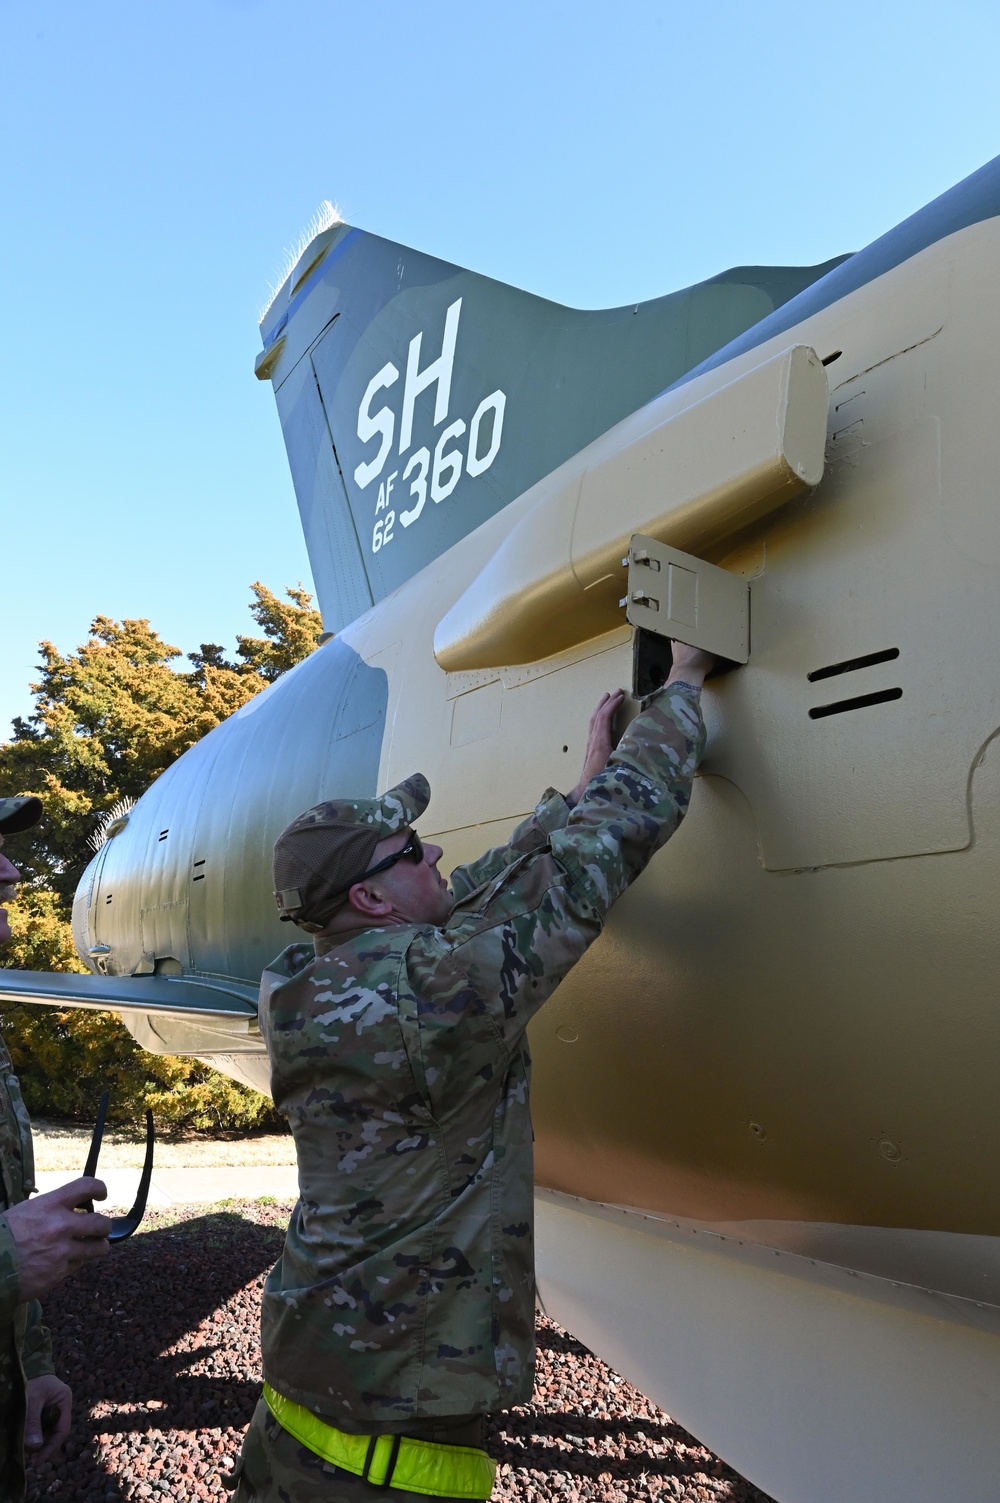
(444, 468)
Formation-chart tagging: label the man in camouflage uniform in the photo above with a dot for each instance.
(41, 1241)
(401, 1311)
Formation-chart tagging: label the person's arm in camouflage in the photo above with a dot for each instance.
(549, 815)
(36, 1354)
(530, 835)
(10, 1282)
(507, 957)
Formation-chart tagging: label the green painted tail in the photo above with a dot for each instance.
(417, 399)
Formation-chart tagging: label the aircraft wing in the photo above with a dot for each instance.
(162, 994)
(202, 1017)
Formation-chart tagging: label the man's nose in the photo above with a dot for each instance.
(432, 853)
(8, 871)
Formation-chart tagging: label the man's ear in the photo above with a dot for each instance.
(367, 900)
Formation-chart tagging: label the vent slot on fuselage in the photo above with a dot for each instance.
(860, 702)
(851, 665)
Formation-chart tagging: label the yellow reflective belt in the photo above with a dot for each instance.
(421, 1466)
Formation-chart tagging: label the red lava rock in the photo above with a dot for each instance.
(159, 1343)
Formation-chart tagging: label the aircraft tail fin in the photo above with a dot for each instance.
(417, 398)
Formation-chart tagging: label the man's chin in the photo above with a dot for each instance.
(5, 933)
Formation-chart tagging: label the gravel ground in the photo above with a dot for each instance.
(171, 1316)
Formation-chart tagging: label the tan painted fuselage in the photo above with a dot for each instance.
(792, 1014)
(788, 1037)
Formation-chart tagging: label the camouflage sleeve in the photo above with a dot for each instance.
(36, 1354)
(10, 1281)
(503, 953)
(531, 835)
(633, 807)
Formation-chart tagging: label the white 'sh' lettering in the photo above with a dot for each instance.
(438, 371)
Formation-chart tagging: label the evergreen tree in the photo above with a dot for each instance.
(108, 719)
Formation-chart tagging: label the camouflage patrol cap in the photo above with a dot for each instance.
(19, 813)
(323, 852)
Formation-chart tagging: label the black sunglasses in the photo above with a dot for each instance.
(411, 851)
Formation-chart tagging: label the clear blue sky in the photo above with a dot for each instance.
(156, 159)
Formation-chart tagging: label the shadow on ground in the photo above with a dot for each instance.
(588, 1434)
(159, 1342)
(160, 1336)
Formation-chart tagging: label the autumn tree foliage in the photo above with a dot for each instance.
(108, 719)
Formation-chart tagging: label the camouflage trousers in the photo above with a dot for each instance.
(273, 1467)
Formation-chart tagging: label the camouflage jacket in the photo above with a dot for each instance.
(25, 1351)
(405, 1289)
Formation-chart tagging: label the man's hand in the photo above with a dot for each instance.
(600, 741)
(44, 1436)
(52, 1238)
(690, 664)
